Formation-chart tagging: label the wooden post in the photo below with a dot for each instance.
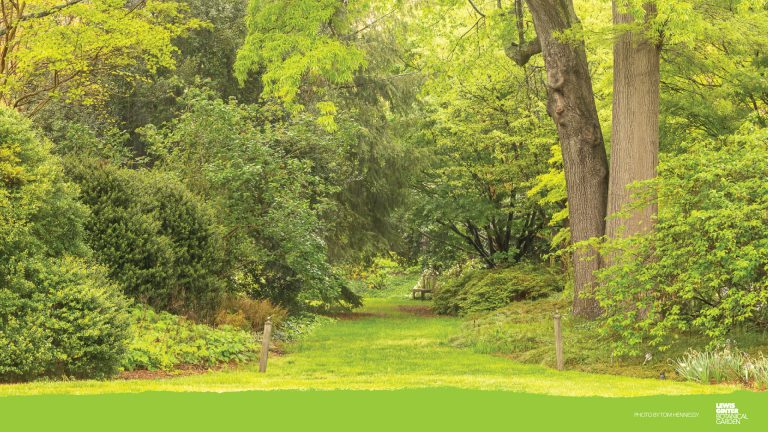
(265, 345)
(558, 343)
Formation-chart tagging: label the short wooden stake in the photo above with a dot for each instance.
(265, 345)
(558, 343)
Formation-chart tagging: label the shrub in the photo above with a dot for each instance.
(39, 210)
(60, 319)
(195, 242)
(58, 315)
(704, 268)
(158, 241)
(162, 341)
(485, 290)
(248, 314)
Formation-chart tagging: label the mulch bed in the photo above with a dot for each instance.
(353, 316)
(424, 311)
(179, 371)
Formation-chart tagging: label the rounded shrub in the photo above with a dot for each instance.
(60, 319)
(156, 238)
(58, 316)
(484, 290)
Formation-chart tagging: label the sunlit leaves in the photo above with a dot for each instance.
(59, 54)
(293, 41)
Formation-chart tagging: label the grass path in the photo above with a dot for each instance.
(384, 346)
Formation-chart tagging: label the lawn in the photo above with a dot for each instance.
(392, 343)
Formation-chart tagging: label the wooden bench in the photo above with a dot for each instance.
(423, 292)
(426, 285)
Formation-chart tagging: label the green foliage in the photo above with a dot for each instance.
(301, 325)
(374, 276)
(484, 140)
(52, 53)
(341, 66)
(705, 267)
(157, 239)
(523, 332)
(161, 341)
(477, 291)
(724, 364)
(757, 373)
(713, 367)
(384, 278)
(38, 209)
(59, 316)
(550, 190)
(209, 52)
(267, 199)
(248, 314)
(714, 67)
(296, 41)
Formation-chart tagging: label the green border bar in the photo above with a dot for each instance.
(399, 410)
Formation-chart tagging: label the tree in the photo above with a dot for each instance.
(714, 66)
(571, 104)
(54, 48)
(635, 135)
(304, 39)
(346, 65)
(483, 140)
(243, 161)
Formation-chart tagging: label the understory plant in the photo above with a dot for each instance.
(480, 290)
(248, 314)
(162, 341)
(704, 267)
(724, 364)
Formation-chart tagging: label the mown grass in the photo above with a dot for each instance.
(523, 332)
(389, 344)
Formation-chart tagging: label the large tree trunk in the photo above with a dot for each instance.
(635, 133)
(571, 104)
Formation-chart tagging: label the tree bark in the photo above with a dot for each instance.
(635, 130)
(571, 104)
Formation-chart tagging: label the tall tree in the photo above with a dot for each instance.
(635, 127)
(571, 104)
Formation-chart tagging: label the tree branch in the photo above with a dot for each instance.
(43, 14)
(523, 50)
(474, 6)
(520, 54)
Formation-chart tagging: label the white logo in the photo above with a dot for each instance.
(727, 413)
